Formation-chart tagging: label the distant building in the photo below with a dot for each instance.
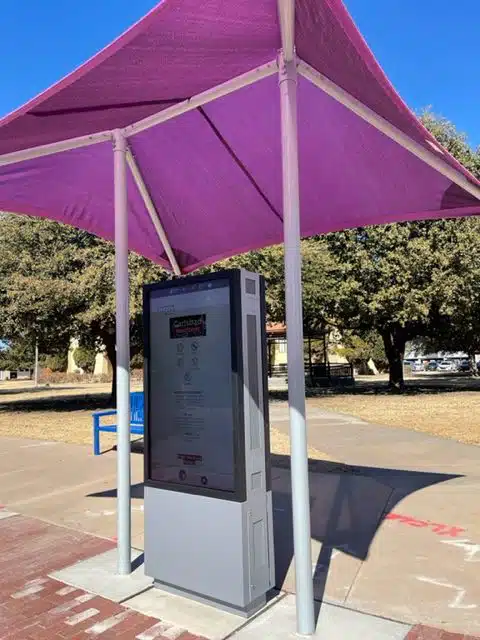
(317, 348)
(20, 374)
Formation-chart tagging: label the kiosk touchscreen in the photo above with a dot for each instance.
(208, 507)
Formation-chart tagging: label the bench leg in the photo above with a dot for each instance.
(96, 438)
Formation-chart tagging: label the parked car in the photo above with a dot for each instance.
(463, 365)
(432, 365)
(417, 366)
(446, 365)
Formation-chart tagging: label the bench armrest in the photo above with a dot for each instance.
(107, 412)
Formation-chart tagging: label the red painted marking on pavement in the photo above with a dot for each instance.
(438, 528)
(421, 632)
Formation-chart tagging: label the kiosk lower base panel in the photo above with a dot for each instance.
(245, 612)
(217, 552)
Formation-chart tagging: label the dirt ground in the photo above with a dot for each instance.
(64, 413)
(441, 405)
(450, 415)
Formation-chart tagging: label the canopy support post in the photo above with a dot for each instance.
(124, 532)
(36, 363)
(296, 372)
(152, 211)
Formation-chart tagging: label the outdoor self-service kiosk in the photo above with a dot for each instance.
(208, 503)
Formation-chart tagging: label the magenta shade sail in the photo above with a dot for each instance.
(214, 173)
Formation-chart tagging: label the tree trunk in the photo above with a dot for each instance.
(110, 348)
(394, 343)
(473, 364)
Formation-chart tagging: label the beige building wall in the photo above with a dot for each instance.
(71, 364)
(279, 352)
(102, 363)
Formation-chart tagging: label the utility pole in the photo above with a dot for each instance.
(36, 363)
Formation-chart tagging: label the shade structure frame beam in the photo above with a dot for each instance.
(219, 91)
(432, 158)
(54, 147)
(152, 210)
(124, 528)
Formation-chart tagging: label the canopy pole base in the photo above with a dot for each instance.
(296, 374)
(124, 532)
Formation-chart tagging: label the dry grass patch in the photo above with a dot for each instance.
(65, 414)
(453, 415)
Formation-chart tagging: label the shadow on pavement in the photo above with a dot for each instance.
(136, 492)
(347, 506)
(88, 402)
(42, 388)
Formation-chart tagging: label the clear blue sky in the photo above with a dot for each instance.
(428, 48)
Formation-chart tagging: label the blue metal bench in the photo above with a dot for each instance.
(136, 420)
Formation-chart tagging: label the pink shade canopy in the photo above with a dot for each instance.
(214, 173)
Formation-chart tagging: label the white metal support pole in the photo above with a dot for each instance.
(36, 363)
(296, 371)
(123, 356)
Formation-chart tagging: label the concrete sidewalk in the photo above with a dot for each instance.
(422, 562)
(395, 530)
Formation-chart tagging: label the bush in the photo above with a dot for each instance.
(85, 359)
(137, 361)
(56, 363)
(48, 377)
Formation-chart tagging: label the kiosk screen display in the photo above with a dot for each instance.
(191, 423)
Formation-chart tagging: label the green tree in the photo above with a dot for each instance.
(38, 292)
(386, 285)
(402, 280)
(57, 282)
(17, 355)
(95, 320)
(58, 362)
(320, 275)
(456, 314)
(359, 350)
(452, 140)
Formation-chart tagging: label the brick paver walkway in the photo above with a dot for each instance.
(36, 607)
(420, 632)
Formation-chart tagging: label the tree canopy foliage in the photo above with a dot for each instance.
(57, 283)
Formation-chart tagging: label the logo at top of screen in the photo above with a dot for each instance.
(188, 326)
